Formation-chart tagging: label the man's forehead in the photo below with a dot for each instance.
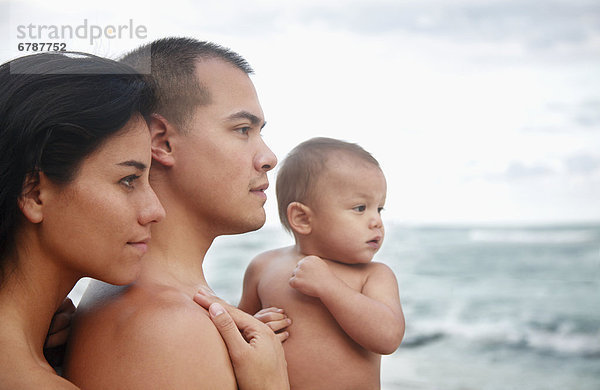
(228, 87)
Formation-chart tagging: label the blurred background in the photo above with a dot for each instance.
(485, 116)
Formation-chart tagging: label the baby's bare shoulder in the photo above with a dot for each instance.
(378, 273)
(267, 258)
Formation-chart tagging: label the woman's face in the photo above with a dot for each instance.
(99, 224)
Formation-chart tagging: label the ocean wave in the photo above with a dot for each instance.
(533, 236)
(563, 340)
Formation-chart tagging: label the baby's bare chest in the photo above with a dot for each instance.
(274, 281)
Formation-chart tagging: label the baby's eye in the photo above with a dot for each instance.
(360, 208)
(380, 209)
(129, 181)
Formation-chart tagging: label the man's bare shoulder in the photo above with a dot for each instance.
(137, 311)
(142, 330)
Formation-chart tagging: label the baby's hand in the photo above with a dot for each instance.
(274, 318)
(310, 276)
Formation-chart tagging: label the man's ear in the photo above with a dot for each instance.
(30, 200)
(299, 217)
(161, 132)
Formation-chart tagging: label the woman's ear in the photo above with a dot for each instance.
(161, 132)
(299, 217)
(30, 200)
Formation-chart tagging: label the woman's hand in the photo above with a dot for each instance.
(59, 327)
(56, 339)
(255, 351)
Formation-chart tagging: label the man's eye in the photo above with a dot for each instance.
(360, 208)
(129, 181)
(243, 130)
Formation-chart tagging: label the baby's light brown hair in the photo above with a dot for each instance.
(300, 170)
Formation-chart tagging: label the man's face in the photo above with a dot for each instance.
(221, 160)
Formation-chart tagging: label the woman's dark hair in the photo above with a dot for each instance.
(55, 109)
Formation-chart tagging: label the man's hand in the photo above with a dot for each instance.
(255, 350)
(274, 318)
(311, 275)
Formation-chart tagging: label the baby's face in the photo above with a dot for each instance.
(346, 222)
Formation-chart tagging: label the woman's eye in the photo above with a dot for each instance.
(360, 208)
(129, 181)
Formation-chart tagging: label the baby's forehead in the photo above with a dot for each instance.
(343, 170)
(340, 160)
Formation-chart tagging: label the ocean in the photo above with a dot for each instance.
(486, 308)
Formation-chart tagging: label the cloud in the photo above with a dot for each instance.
(582, 164)
(588, 114)
(517, 170)
(537, 24)
(567, 118)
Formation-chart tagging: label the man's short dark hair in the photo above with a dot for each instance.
(172, 73)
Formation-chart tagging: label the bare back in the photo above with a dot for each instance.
(319, 353)
(145, 337)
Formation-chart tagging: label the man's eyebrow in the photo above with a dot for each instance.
(246, 115)
(132, 163)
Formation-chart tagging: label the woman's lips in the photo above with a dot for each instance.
(142, 246)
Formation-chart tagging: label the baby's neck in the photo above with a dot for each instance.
(308, 250)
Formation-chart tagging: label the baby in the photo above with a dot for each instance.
(345, 309)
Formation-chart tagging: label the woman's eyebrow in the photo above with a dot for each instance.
(133, 163)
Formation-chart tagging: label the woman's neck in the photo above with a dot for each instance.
(29, 296)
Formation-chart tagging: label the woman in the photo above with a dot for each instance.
(74, 195)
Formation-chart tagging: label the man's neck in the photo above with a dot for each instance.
(176, 251)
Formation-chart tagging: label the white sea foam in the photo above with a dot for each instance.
(533, 236)
(564, 340)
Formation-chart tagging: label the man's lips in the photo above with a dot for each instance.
(260, 190)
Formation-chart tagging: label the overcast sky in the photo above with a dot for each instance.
(479, 111)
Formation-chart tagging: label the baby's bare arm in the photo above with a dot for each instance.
(372, 317)
(273, 317)
(250, 302)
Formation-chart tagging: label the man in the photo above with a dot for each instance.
(209, 170)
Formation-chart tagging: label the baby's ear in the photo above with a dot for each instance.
(30, 200)
(161, 132)
(299, 217)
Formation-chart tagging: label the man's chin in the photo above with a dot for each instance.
(249, 225)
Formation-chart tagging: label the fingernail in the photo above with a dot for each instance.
(216, 309)
(205, 290)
